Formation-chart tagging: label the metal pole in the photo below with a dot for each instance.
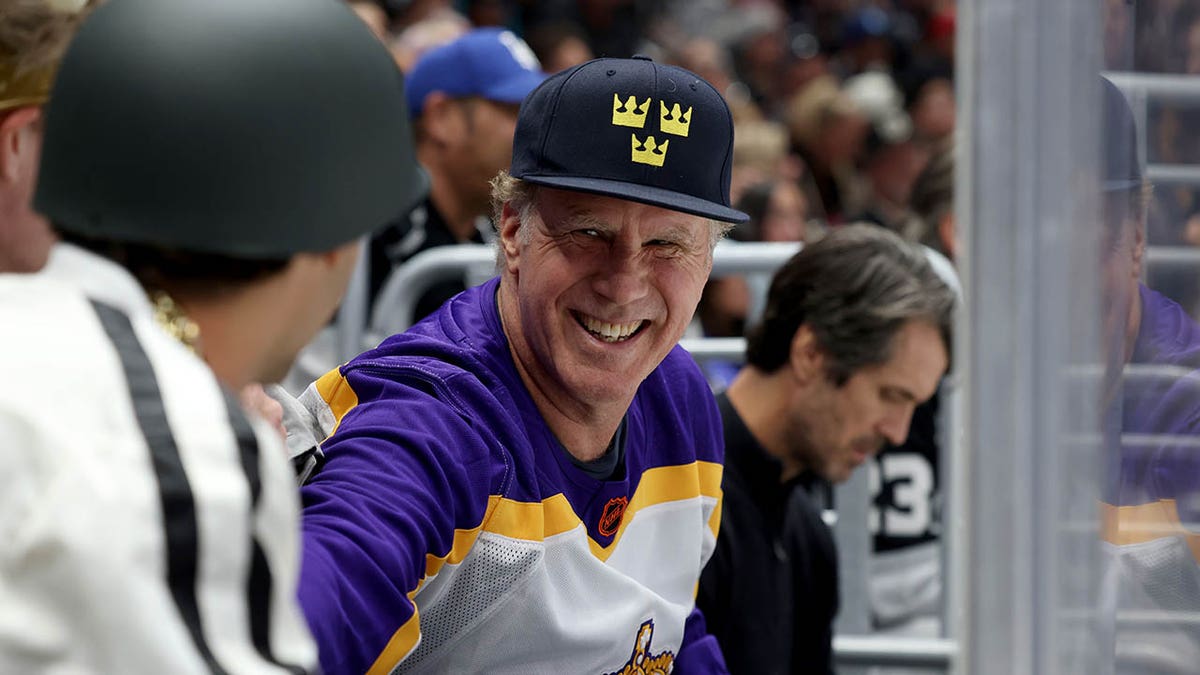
(1030, 87)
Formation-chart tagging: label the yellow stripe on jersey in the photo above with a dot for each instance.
(463, 541)
(1123, 525)
(535, 521)
(665, 484)
(403, 642)
(554, 515)
(337, 394)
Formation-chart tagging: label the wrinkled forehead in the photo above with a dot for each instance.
(563, 208)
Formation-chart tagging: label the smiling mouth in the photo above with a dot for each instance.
(609, 332)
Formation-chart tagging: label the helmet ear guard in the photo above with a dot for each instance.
(247, 128)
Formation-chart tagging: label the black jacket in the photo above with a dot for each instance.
(770, 591)
(418, 230)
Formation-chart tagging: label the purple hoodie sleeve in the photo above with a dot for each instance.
(403, 473)
(699, 654)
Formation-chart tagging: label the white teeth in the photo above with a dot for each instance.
(609, 332)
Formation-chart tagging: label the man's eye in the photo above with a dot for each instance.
(664, 243)
(588, 232)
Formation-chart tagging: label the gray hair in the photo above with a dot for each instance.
(522, 197)
(855, 289)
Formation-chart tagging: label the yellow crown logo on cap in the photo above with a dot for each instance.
(672, 121)
(651, 152)
(630, 113)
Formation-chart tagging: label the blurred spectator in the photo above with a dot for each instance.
(33, 36)
(824, 17)
(891, 166)
(405, 13)
(559, 45)
(891, 159)
(616, 28)
(708, 59)
(464, 98)
(778, 211)
(929, 100)
(932, 223)
(760, 52)
(435, 30)
(828, 131)
(927, 78)
(760, 154)
(483, 13)
(806, 61)
(866, 42)
(722, 310)
(940, 31)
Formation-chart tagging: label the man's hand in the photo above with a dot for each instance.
(256, 401)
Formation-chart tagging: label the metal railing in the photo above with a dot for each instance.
(883, 650)
(1160, 87)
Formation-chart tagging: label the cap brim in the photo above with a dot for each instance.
(644, 194)
(514, 89)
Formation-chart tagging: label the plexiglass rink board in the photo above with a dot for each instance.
(1075, 481)
(1026, 568)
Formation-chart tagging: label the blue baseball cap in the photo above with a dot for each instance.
(631, 129)
(491, 63)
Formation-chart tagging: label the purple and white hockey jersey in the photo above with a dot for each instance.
(450, 532)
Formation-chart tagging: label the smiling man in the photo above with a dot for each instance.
(855, 335)
(528, 481)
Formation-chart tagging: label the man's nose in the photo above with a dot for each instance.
(894, 427)
(623, 276)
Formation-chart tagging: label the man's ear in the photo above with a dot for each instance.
(510, 237)
(441, 118)
(806, 360)
(947, 235)
(14, 143)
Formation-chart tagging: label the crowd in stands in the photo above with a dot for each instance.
(839, 105)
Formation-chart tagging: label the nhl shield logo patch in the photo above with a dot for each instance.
(610, 518)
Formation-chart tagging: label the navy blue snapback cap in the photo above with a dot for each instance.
(1122, 165)
(631, 129)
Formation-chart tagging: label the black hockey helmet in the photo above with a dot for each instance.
(247, 128)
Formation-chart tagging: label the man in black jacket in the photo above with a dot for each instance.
(855, 335)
